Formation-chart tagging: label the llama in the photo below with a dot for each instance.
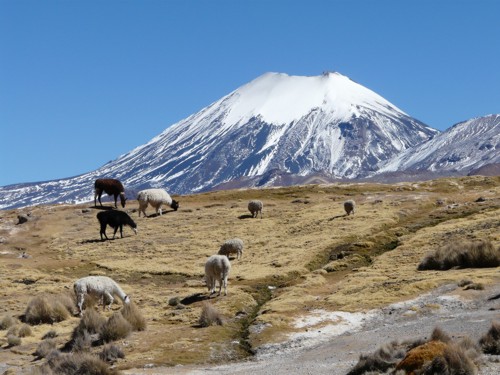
(349, 207)
(255, 207)
(115, 219)
(156, 198)
(232, 246)
(99, 286)
(111, 187)
(217, 268)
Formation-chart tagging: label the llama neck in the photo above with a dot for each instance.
(120, 293)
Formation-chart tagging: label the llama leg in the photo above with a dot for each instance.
(110, 299)
(103, 232)
(81, 297)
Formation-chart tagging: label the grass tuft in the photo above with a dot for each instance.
(7, 322)
(132, 315)
(90, 326)
(477, 254)
(80, 363)
(115, 328)
(490, 342)
(111, 353)
(13, 340)
(46, 309)
(45, 347)
(210, 316)
(384, 358)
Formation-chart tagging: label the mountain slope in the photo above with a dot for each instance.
(464, 147)
(296, 124)
(326, 124)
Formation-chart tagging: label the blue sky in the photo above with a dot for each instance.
(82, 82)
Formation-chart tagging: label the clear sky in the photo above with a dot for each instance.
(82, 82)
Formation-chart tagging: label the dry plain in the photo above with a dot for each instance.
(305, 255)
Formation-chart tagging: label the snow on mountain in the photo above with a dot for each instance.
(327, 125)
(463, 147)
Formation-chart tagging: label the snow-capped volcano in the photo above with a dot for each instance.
(299, 125)
(324, 124)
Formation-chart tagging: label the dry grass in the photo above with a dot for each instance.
(111, 353)
(46, 309)
(132, 314)
(80, 364)
(45, 347)
(210, 316)
(304, 256)
(383, 359)
(7, 322)
(87, 331)
(478, 254)
(13, 340)
(22, 330)
(115, 328)
(440, 355)
(490, 342)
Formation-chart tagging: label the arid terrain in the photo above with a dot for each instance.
(306, 265)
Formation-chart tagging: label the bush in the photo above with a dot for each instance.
(110, 353)
(490, 342)
(210, 316)
(45, 309)
(92, 321)
(81, 364)
(45, 347)
(477, 254)
(453, 361)
(440, 355)
(132, 314)
(7, 322)
(24, 331)
(13, 340)
(50, 335)
(115, 328)
(384, 358)
(90, 325)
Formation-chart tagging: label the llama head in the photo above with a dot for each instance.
(175, 205)
(123, 199)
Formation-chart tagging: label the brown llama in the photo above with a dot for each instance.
(111, 187)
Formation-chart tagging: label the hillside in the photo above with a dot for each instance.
(304, 256)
